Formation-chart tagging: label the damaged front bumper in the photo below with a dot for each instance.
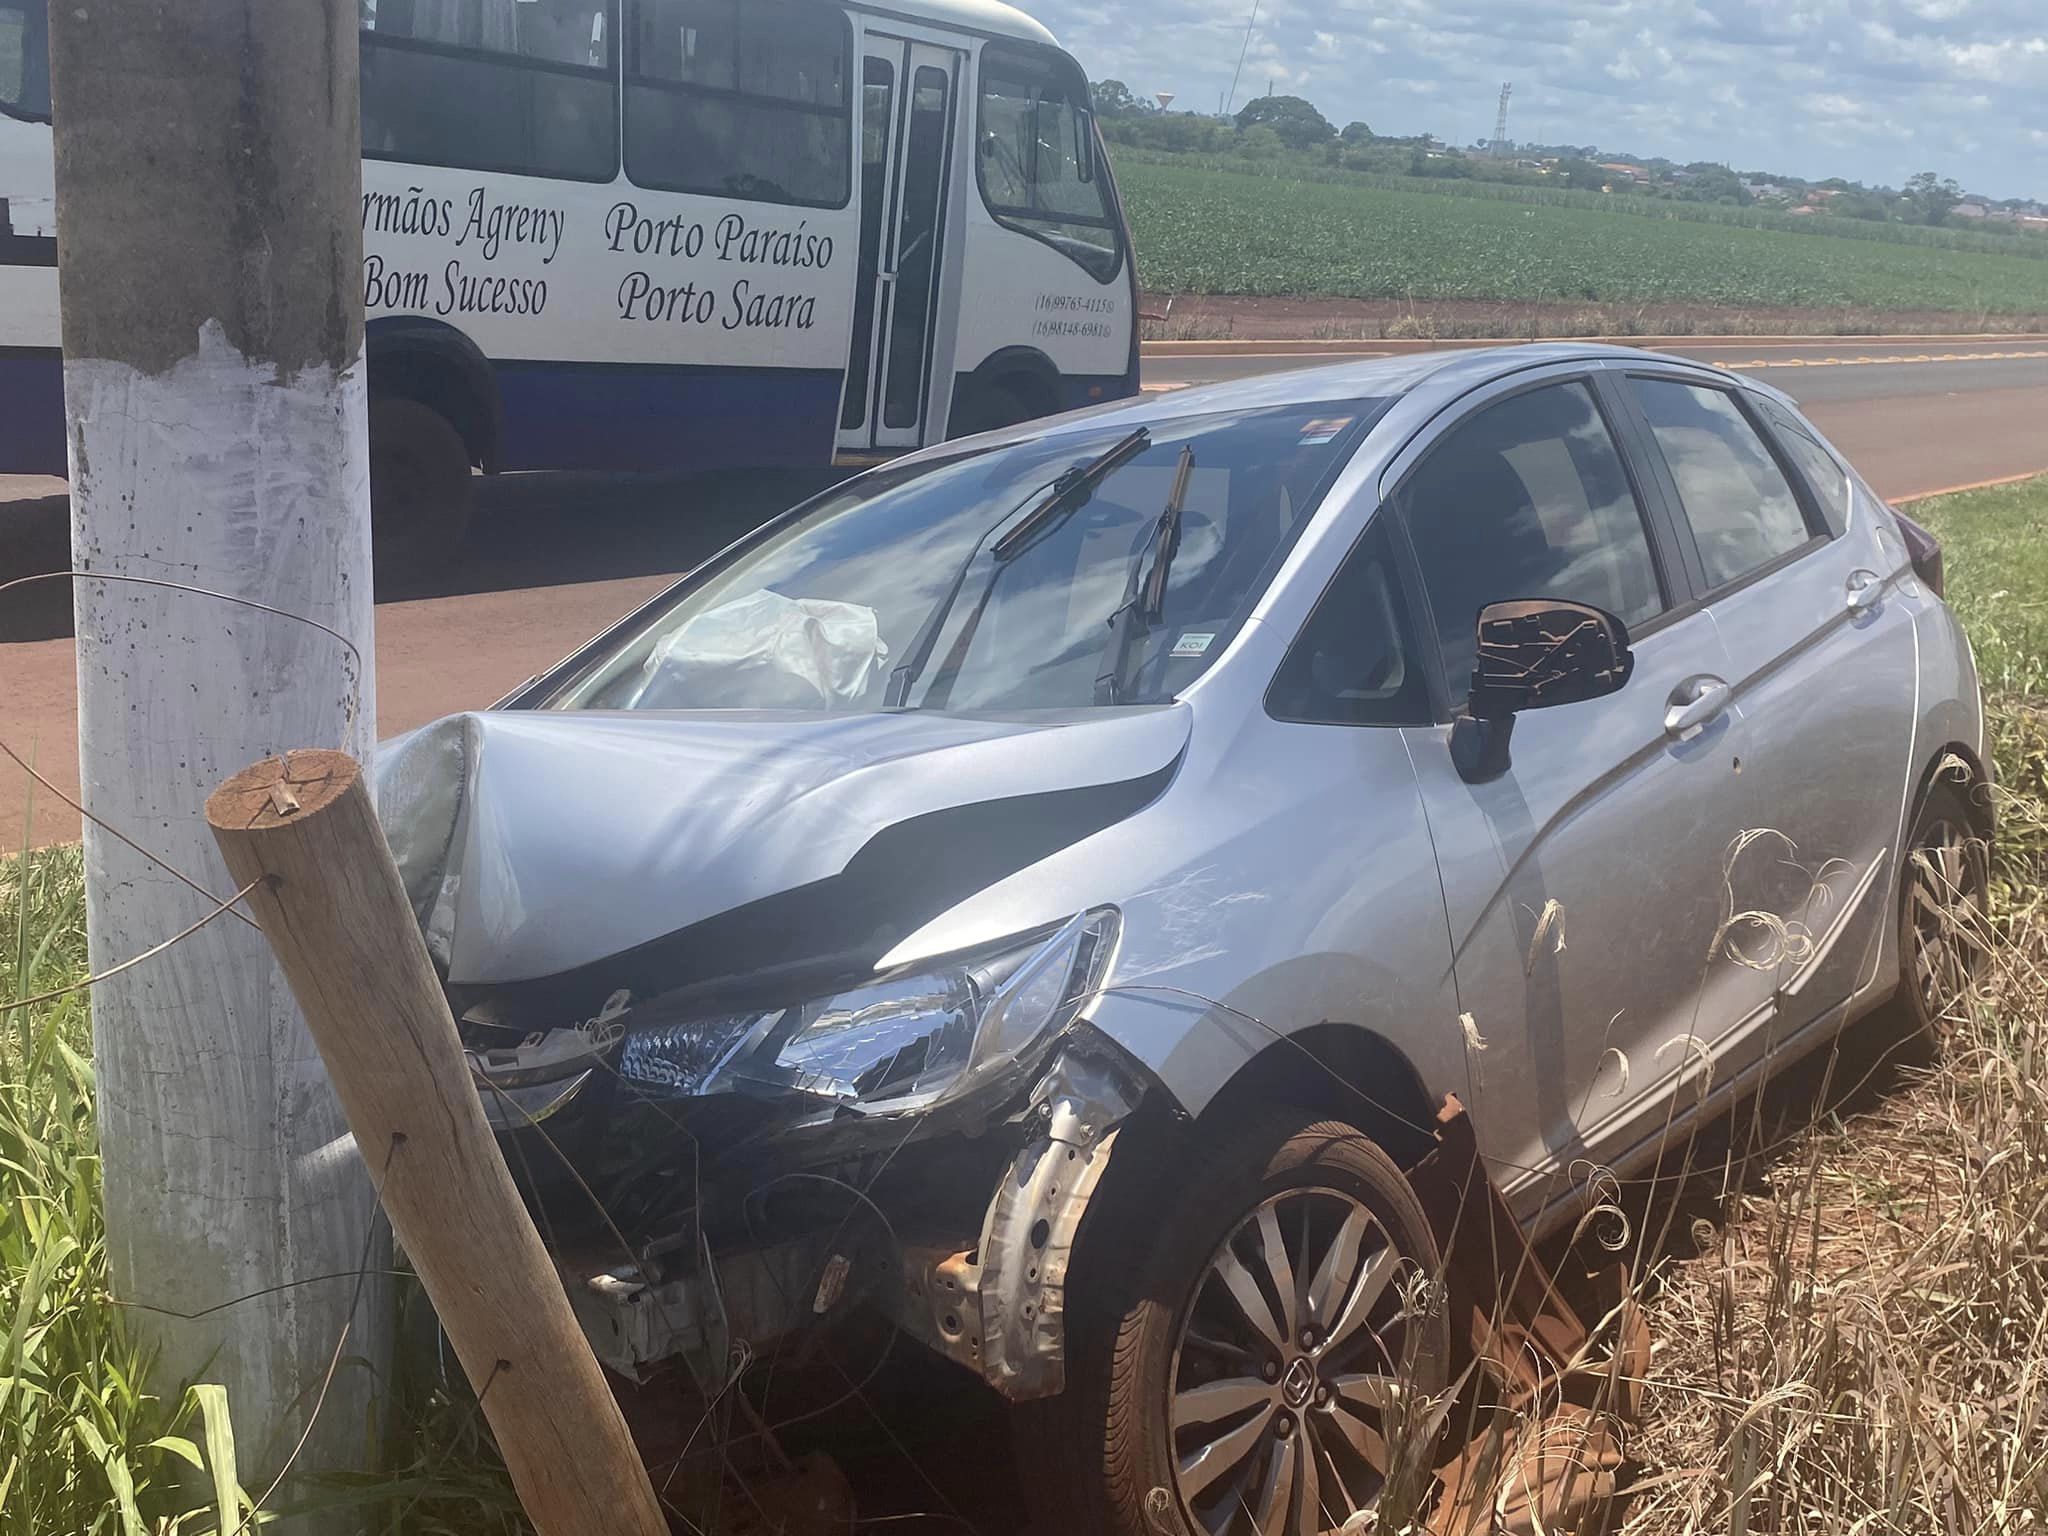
(991, 1299)
(999, 1308)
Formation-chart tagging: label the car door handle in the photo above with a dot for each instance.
(1866, 591)
(1695, 704)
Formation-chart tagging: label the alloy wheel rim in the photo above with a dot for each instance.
(1291, 1370)
(1947, 912)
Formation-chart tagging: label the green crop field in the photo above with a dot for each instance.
(1200, 230)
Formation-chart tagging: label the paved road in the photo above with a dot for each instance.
(564, 554)
(1914, 416)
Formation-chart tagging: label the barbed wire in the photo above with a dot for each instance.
(354, 704)
(116, 833)
(128, 965)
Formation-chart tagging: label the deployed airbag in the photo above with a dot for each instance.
(767, 651)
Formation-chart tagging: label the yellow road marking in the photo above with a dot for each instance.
(1974, 485)
(1879, 362)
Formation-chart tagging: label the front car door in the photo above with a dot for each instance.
(1821, 645)
(1578, 886)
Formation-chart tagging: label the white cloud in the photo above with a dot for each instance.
(1870, 89)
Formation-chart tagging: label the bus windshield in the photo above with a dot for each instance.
(1042, 170)
(972, 585)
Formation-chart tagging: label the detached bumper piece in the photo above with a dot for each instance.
(1540, 1441)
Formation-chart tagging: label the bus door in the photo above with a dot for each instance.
(907, 102)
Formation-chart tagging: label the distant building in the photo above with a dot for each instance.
(1971, 211)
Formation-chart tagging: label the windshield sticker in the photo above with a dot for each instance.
(1193, 645)
(1317, 433)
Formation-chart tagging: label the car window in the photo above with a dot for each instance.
(1354, 663)
(1823, 471)
(1742, 509)
(1527, 499)
(941, 587)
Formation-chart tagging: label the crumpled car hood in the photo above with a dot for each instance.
(533, 844)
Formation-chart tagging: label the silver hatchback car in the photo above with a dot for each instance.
(1045, 889)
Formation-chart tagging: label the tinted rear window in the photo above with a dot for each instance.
(1743, 511)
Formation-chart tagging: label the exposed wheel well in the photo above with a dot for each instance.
(1983, 807)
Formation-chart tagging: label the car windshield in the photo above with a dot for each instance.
(1107, 566)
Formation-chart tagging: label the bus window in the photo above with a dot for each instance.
(24, 60)
(519, 86)
(918, 242)
(740, 98)
(877, 120)
(1040, 171)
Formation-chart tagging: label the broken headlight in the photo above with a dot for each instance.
(895, 1045)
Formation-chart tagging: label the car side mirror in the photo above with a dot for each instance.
(1539, 654)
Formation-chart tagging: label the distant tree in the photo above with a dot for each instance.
(1931, 198)
(1261, 142)
(1356, 135)
(1298, 123)
(1860, 205)
(1440, 167)
(1714, 184)
(1582, 174)
(1115, 99)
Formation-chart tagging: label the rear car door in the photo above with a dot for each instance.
(1823, 655)
(1578, 886)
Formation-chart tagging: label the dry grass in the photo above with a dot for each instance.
(1862, 1343)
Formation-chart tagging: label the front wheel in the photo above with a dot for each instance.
(1275, 1356)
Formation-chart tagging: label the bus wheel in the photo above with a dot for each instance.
(999, 403)
(421, 495)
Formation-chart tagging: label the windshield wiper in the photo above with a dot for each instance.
(1069, 492)
(1063, 495)
(1144, 604)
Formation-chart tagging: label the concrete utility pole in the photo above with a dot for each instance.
(209, 236)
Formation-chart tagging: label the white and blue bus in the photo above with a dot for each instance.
(674, 234)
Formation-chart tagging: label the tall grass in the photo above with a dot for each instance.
(89, 1441)
(1861, 1343)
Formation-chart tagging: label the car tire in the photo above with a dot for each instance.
(422, 496)
(1106, 1456)
(1943, 896)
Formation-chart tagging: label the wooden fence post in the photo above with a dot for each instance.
(333, 907)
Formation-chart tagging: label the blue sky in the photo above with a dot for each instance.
(1870, 89)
